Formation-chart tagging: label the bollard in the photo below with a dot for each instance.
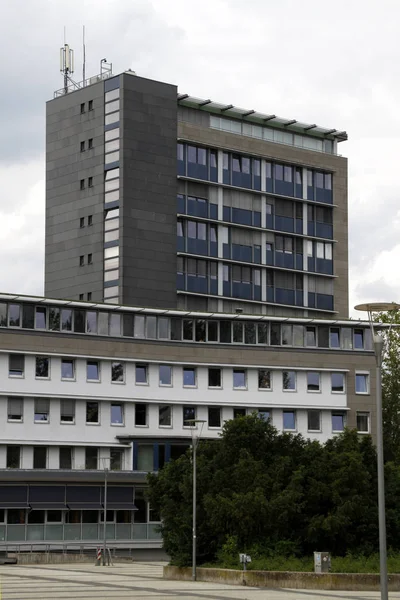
(98, 557)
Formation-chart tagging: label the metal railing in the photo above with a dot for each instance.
(73, 87)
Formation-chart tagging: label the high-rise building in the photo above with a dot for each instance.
(160, 199)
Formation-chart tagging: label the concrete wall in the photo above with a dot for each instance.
(361, 582)
(66, 203)
(148, 207)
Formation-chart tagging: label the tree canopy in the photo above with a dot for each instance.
(275, 492)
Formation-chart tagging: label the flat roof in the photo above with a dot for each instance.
(176, 312)
(270, 120)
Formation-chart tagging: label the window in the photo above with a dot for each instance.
(13, 457)
(239, 412)
(164, 416)
(42, 367)
(314, 420)
(67, 412)
(338, 421)
(289, 380)
(324, 250)
(90, 104)
(39, 457)
(92, 412)
(189, 415)
(90, 143)
(67, 368)
(141, 374)
(313, 381)
(116, 459)
(82, 222)
(359, 339)
(65, 458)
(334, 337)
(363, 422)
(15, 409)
(82, 108)
(92, 370)
(117, 372)
(189, 377)
(337, 382)
(90, 182)
(14, 315)
(214, 416)
(82, 184)
(81, 262)
(289, 420)
(82, 146)
(264, 379)
(141, 415)
(214, 378)
(239, 379)
(16, 365)
(165, 375)
(311, 337)
(90, 259)
(91, 458)
(117, 413)
(89, 296)
(90, 220)
(264, 414)
(42, 410)
(362, 383)
(284, 244)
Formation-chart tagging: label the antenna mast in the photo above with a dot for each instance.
(84, 59)
(67, 65)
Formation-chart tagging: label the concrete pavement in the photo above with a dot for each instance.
(137, 580)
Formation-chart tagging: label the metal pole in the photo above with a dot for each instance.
(105, 518)
(194, 512)
(381, 470)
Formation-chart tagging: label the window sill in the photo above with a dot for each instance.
(93, 424)
(93, 381)
(289, 430)
(314, 391)
(14, 376)
(67, 422)
(68, 379)
(142, 426)
(167, 385)
(342, 392)
(314, 430)
(42, 422)
(363, 393)
(215, 387)
(240, 389)
(363, 432)
(42, 378)
(338, 431)
(289, 391)
(142, 383)
(117, 424)
(118, 382)
(265, 389)
(193, 387)
(165, 426)
(15, 420)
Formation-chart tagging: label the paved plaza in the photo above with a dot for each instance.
(138, 580)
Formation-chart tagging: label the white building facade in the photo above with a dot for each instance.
(87, 387)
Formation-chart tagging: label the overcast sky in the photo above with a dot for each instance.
(334, 64)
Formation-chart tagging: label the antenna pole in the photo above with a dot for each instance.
(84, 59)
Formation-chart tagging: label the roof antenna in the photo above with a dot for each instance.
(67, 65)
(84, 59)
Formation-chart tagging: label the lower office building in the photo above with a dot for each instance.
(91, 387)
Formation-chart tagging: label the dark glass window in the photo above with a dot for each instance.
(117, 372)
(313, 381)
(42, 367)
(40, 317)
(311, 337)
(54, 319)
(79, 321)
(15, 408)
(42, 408)
(314, 420)
(39, 457)
(239, 412)
(91, 458)
(289, 380)
(334, 336)
(13, 458)
(165, 416)
(337, 382)
(16, 365)
(214, 416)
(14, 315)
(65, 461)
(214, 377)
(140, 414)
(165, 374)
(189, 414)
(67, 411)
(92, 412)
(359, 338)
(66, 319)
(289, 420)
(264, 379)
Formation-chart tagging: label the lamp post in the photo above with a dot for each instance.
(105, 509)
(195, 440)
(378, 342)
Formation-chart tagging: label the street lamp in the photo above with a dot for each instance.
(104, 460)
(196, 434)
(378, 342)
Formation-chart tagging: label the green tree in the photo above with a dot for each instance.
(391, 387)
(261, 491)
